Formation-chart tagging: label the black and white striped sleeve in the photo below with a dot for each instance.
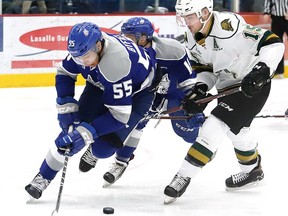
(267, 7)
(276, 7)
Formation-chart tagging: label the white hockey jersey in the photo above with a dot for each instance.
(232, 47)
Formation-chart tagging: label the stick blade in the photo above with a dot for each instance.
(54, 212)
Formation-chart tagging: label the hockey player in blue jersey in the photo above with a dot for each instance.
(177, 78)
(117, 95)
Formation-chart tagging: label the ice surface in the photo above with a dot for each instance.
(29, 126)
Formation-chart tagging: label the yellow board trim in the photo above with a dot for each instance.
(44, 79)
(31, 80)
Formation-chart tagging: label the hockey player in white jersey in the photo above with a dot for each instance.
(229, 53)
(176, 79)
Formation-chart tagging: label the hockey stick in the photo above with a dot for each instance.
(203, 100)
(271, 116)
(173, 117)
(61, 182)
(55, 211)
(188, 117)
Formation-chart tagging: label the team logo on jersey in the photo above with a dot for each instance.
(216, 47)
(97, 84)
(226, 25)
(164, 84)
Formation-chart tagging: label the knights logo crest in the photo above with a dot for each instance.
(226, 25)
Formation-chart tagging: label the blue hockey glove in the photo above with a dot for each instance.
(67, 112)
(199, 91)
(196, 121)
(84, 134)
(253, 82)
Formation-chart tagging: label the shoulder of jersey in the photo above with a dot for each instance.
(115, 63)
(168, 48)
(225, 24)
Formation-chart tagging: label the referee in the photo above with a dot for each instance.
(276, 11)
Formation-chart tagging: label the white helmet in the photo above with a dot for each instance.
(187, 7)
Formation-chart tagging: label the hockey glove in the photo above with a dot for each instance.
(84, 134)
(199, 91)
(196, 121)
(67, 112)
(253, 82)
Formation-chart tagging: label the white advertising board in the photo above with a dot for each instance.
(34, 44)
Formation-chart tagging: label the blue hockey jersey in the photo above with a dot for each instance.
(173, 60)
(124, 70)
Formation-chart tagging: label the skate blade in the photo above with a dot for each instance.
(168, 200)
(251, 185)
(30, 199)
(106, 184)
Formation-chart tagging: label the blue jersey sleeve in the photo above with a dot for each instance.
(66, 76)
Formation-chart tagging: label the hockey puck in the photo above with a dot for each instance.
(108, 210)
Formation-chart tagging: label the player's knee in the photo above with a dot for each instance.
(113, 139)
(102, 149)
(105, 146)
(244, 140)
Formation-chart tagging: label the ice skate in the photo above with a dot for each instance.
(176, 188)
(116, 171)
(37, 186)
(87, 161)
(243, 180)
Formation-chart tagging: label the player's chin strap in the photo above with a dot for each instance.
(204, 22)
